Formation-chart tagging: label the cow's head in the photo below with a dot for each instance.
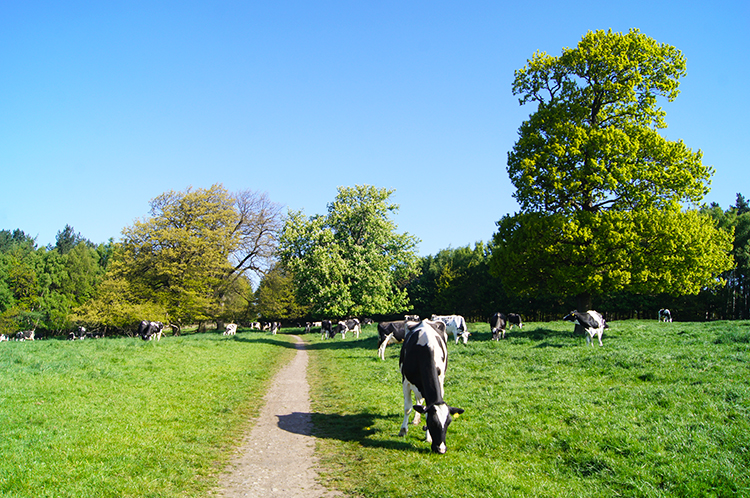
(439, 417)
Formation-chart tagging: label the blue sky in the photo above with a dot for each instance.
(106, 105)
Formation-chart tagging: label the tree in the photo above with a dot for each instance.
(600, 190)
(179, 258)
(275, 297)
(350, 262)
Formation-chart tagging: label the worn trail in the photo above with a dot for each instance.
(276, 458)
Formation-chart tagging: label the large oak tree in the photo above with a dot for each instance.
(607, 203)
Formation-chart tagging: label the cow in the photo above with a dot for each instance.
(325, 330)
(308, 325)
(148, 330)
(455, 324)
(255, 325)
(423, 361)
(665, 315)
(411, 318)
(3, 337)
(391, 333)
(275, 327)
(231, 329)
(591, 321)
(394, 332)
(499, 321)
(345, 326)
(25, 335)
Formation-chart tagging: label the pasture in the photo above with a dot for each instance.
(660, 410)
(121, 417)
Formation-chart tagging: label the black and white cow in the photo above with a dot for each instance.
(665, 315)
(326, 331)
(25, 335)
(411, 318)
(231, 329)
(423, 362)
(455, 324)
(148, 330)
(591, 321)
(3, 338)
(345, 326)
(255, 325)
(394, 333)
(275, 327)
(499, 322)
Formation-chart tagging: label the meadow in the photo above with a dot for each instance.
(660, 410)
(119, 417)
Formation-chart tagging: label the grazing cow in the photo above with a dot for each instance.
(423, 361)
(455, 324)
(148, 330)
(665, 315)
(255, 325)
(366, 321)
(591, 321)
(25, 335)
(231, 329)
(325, 330)
(394, 332)
(345, 326)
(499, 321)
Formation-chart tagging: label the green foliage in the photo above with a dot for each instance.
(600, 190)
(121, 417)
(275, 297)
(350, 262)
(179, 257)
(598, 253)
(547, 416)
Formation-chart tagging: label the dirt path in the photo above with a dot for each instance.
(276, 458)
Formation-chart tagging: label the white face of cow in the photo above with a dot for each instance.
(438, 419)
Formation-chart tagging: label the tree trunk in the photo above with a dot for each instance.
(583, 302)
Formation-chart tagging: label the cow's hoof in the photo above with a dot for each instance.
(402, 432)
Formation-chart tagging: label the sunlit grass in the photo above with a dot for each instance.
(122, 417)
(660, 410)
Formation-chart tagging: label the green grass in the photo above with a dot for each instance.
(660, 410)
(125, 418)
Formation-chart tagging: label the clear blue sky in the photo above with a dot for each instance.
(105, 105)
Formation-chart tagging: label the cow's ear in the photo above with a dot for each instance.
(420, 408)
(454, 411)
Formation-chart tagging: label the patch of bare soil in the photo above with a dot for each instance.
(276, 458)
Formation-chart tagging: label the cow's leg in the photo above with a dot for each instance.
(381, 349)
(408, 405)
(599, 334)
(588, 337)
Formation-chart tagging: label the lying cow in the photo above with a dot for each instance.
(455, 324)
(423, 361)
(148, 330)
(345, 326)
(231, 329)
(25, 335)
(499, 322)
(665, 315)
(591, 321)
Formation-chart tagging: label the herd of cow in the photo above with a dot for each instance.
(423, 359)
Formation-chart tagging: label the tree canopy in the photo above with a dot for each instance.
(351, 261)
(601, 191)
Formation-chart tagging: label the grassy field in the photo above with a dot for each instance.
(125, 418)
(660, 410)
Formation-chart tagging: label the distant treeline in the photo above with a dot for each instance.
(42, 287)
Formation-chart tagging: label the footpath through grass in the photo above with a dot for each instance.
(661, 410)
(125, 418)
